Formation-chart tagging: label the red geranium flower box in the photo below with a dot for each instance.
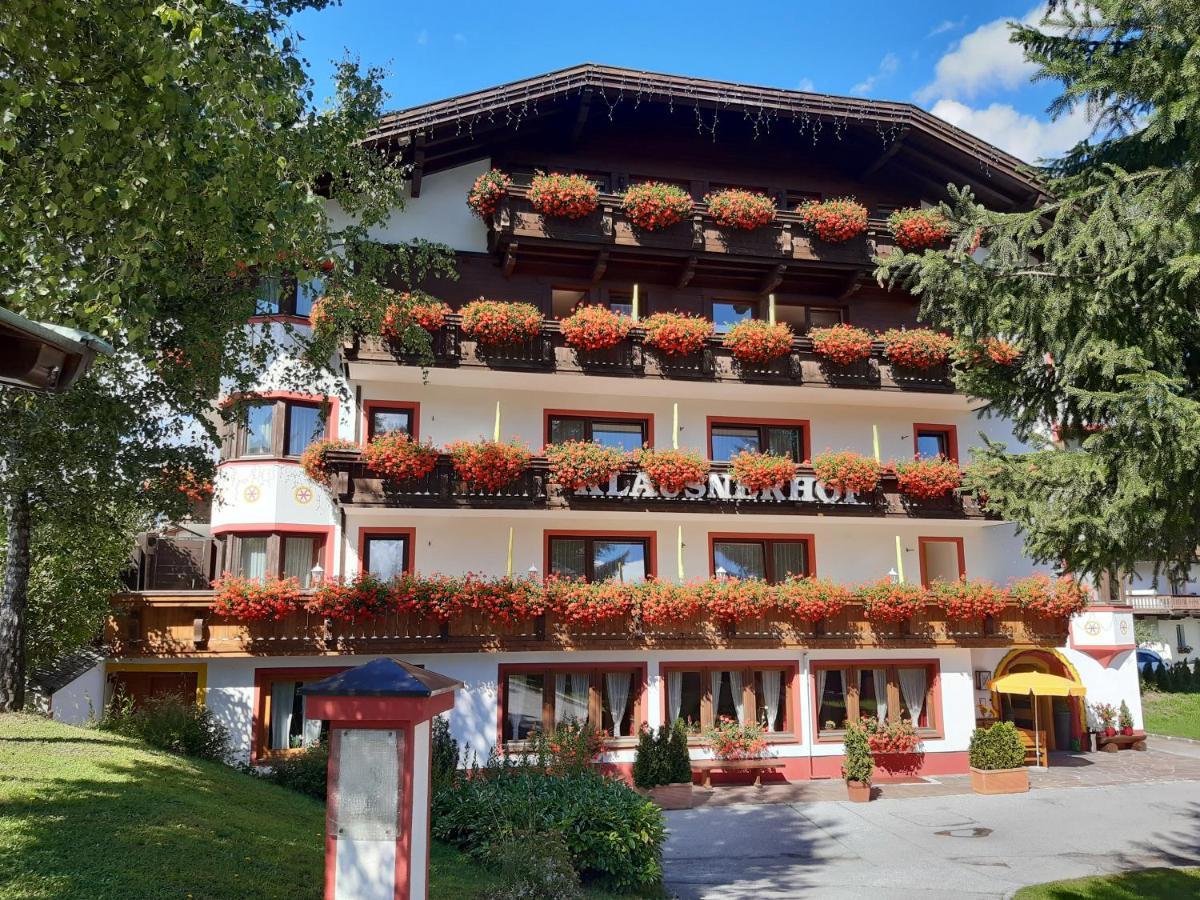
(842, 344)
(756, 341)
(744, 210)
(761, 471)
(563, 196)
(653, 206)
(497, 323)
(415, 308)
(891, 602)
(1050, 598)
(918, 229)
(584, 464)
(312, 460)
(677, 334)
(489, 465)
(846, 470)
(595, 328)
(834, 221)
(363, 598)
(397, 457)
(487, 192)
(672, 470)
(965, 600)
(928, 479)
(253, 600)
(812, 600)
(916, 348)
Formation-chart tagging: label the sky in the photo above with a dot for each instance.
(951, 58)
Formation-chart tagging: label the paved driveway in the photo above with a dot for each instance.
(960, 845)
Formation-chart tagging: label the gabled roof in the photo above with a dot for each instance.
(518, 100)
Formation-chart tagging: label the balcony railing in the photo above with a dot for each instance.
(171, 624)
(1164, 604)
(548, 352)
(355, 485)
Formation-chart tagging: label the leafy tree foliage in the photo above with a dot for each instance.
(1100, 286)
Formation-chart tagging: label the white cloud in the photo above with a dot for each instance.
(887, 68)
(982, 60)
(1022, 135)
(805, 84)
(423, 36)
(946, 25)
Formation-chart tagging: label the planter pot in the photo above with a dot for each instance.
(858, 791)
(672, 796)
(1128, 732)
(1000, 781)
(1110, 732)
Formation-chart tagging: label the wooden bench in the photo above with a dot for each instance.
(1137, 741)
(706, 766)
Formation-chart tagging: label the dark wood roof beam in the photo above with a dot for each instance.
(689, 270)
(585, 106)
(418, 168)
(882, 159)
(773, 279)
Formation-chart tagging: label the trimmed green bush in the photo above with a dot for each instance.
(998, 747)
(170, 723)
(304, 771)
(662, 758)
(676, 759)
(614, 835)
(647, 770)
(544, 874)
(860, 761)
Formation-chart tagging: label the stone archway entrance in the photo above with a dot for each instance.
(1062, 718)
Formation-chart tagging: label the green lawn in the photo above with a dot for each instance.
(1173, 714)
(1150, 884)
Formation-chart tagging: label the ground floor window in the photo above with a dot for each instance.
(892, 692)
(283, 721)
(537, 698)
(700, 695)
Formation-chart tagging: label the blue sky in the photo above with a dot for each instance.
(956, 62)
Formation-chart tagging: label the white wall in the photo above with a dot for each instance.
(81, 700)
(1167, 646)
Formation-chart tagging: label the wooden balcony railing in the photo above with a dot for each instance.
(168, 625)
(354, 485)
(632, 359)
(1164, 604)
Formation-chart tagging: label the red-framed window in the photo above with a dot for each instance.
(280, 727)
(276, 551)
(609, 696)
(386, 552)
(728, 435)
(931, 441)
(941, 558)
(388, 416)
(769, 557)
(279, 425)
(628, 556)
(844, 690)
(762, 691)
(628, 431)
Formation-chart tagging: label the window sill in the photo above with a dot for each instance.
(621, 743)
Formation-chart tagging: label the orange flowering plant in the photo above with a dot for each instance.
(843, 344)
(846, 470)
(672, 470)
(677, 334)
(563, 196)
(745, 210)
(756, 341)
(761, 471)
(834, 221)
(989, 351)
(495, 323)
(735, 599)
(965, 600)
(928, 479)
(890, 737)
(397, 457)
(363, 598)
(595, 328)
(571, 748)
(811, 599)
(436, 596)
(312, 460)
(487, 192)
(916, 348)
(580, 602)
(489, 465)
(918, 229)
(417, 308)
(886, 601)
(254, 600)
(503, 599)
(584, 464)
(665, 603)
(1051, 598)
(729, 739)
(653, 205)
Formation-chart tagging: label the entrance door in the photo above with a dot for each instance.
(142, 686)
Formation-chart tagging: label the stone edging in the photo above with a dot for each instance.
(1170, 737)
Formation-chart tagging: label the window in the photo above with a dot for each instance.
(280, 427)
(615, 558)
(934, 441)
(631, 433)
(300, 554)
(1181, 643)
(564, 300)
(728, 438)
(386, 555)
(304, 427)
(387, 418)
(769, 559)
(802, 318)
(284, 295)
(942, 559)
(885, 691)
(700, 695)
(282, 725)
(538, 698)
(278, 554)
(621, 302)
(259, 420)
(727, 313)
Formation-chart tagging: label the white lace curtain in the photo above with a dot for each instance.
(770, 688)
(912, 687)
(283, 695)
(570, 697)
(618, 697)
(674, 696)
(739, 696)
(879, 678)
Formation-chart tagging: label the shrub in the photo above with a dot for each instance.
(416, 308)
(571, 748)
(254, 601)
(544, 874)
(916, 348)
(487, 191)
(563, 196)
(489, 465)
(842, 344)
(847, 471)
(676, 760)
(613, 834)
(834, 221)
(928, 479)
(729, 739)
(171, 723)
(304, 771)
(364, 598)
(1125, 717)
(443, 768)
(756, 341)
(918, 229)
(1049, 598)
(810, 599)
(998, 747)
(595, 328)
(746, 210)
(312, 460)
(498, 323)
(653, 205)
(672, 470)
(584, 464)
(859, 764)
(677, 334)
(398, 457)
(647, 761)
(964, 600)
(761, 471)
(886, 601)
(663, 758)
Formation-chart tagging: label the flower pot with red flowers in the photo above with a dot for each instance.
(498, 323)
(812, 600)
(676, 336)
(1106, 716)
(887, 602)
(1048, 598)
(890, 738)
(928, 479)
(578, 465)
(663, 604)
(653, 206)
(495, 606)
(413, 308)
(672, 470)
(580, 605)
(437, 598)
(730, 740)
(841, 344)
(755, 342)
(397, 457)
(964, 601)
(595, 328)
(743, 210)
(563, 196)
(734, 600)
(313, 459)
(833, 221)
(847, 471)
(487, 192)
(489, 466)
(255, 600)
(988, 352)
(918, 229)
(759, 472)
(916, 348)
(363, 598)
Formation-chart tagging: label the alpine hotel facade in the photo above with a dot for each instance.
(620, 667)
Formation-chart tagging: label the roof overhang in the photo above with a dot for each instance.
(38, 356)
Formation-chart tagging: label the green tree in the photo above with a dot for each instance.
(156, 158)
(1098, 285)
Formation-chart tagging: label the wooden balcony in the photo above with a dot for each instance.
(181, 625)
(630, 491)
(549, 353)
(1164, 604)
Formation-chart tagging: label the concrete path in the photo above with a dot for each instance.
(963, 845)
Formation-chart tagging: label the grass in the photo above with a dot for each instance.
(1149, 884)
(87, 814)
(1174, 714)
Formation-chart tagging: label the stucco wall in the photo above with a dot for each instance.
(81, 700)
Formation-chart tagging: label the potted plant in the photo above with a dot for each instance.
(580, 602)
(858, 766)
(653, 206)
(916, 348)
(756, 341)
(672, 470)
(732, 600)
(989, 351)
(761, 471)
(889, 602)
(810, 599)
(663, 603)
(489, 465)
(842, 344)
(834, 221)
(363, 598)
(595, 328)
(583, 464)
(397, 457)
(312, 460)
(745, 210)
(731, 740)
(503, 599)
(1125, 719)
(662, 766)
(498, 323)
(417, 308)
(892, 738)
(997, 759)
(676, 334)
(1106, 714)
(487, 192)
(964, 600)
(847, 471)
(255, 600)
(928, 479)
(1050, 598)
(563, 196)
(918, 229)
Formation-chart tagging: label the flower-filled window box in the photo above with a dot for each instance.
(672, 470)
(414, 308)
(312, 460)
(833, 221)
(487, 192)
(733, 600)
(653, 206)
(489, 465)
(964, 600)
(812, 600)
(730, 740)
(847, 471)
(594, 328)
(916, 348)
(578, 602)
(677, 334)
(1050, 598)
(888, 602)
(563, 196)
(918, 229)
(841, 344)
(497, 323)
(928, 479)
(398, 457)
(584, 464)
(256, 600)
(363, 598)
(663, 603)
(744, 210)
(753, 341)
(761, 471)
